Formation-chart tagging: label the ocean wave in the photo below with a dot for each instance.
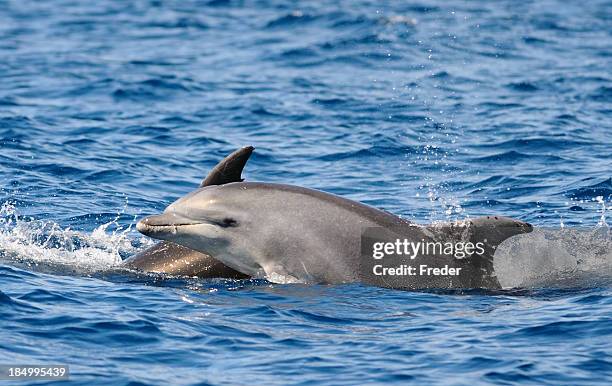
(601, 189)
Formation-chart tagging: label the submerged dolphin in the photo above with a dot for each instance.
(168, 257)
(288, 233)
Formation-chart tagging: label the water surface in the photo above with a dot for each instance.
(432, 110)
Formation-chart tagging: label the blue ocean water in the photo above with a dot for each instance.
(432, 110)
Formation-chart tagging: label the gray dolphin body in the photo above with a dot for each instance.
(171, 258)
(292, 234)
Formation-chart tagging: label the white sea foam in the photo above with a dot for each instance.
(33, 242)
(558, 257)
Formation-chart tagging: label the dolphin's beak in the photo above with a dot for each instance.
(514, 225)
(525, 227)
(506, 224)
(164, 223)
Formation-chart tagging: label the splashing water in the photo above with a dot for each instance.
(34, 241)
(555, 257)
(602, 219)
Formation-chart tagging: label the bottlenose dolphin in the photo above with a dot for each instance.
(288, 233)
(171, 258)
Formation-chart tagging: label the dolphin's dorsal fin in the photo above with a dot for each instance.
(229, 169)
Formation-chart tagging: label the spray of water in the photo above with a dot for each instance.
(555, 257)
(43, 242)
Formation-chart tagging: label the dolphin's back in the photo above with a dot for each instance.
(374, 215)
